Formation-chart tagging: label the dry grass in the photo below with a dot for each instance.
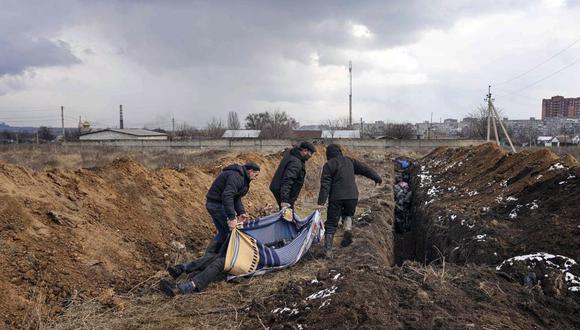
(39, 157)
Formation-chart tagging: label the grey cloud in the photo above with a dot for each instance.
(27, 31)
(22, 53)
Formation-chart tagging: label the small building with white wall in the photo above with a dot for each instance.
(341, 134)
(112, 134)
(241, 134)
(548, 141)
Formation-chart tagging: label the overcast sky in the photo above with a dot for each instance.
(191, 60)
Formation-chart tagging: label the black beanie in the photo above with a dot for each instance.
(307, 145)
(252, 166)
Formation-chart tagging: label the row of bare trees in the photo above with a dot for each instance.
(273, 124)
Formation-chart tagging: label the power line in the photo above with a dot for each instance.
(540, 64)
(540, 80)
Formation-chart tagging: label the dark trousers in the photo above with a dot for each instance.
(210, 273)
(216, 245)
(337, 209)
(220, 221)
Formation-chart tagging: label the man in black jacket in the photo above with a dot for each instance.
(289, 177)
(224, 204)
(338, 185)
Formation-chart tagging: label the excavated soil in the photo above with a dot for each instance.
(70, 236)
(85, 248)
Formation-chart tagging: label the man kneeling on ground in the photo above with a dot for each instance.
(338, 185)
(224, 204)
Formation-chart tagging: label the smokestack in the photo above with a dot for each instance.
(121, 116)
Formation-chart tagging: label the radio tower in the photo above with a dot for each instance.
(350, 95)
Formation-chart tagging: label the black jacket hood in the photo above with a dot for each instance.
(333, 151)
(238, 168)
(296, 153)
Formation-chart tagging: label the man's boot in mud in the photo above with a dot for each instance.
(347, 237)
(328, 245)
(171, 289)
(213, 247)
(176, 271)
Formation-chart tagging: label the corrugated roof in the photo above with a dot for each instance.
(307, 134)
(341, 134)
(545, 138)
(241, 133)
(130, 131)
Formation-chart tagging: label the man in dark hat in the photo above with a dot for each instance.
(224, 204)
(289, 177)
(338, 186)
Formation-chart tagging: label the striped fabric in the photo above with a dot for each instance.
(271, 243)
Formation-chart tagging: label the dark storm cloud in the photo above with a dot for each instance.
(27, 30)
(21, 54)
(175, 34)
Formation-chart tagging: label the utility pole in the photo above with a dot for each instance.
(350, 94)
(492, 115)
(361, 127)
(488, 113)
(120, 116)
(173, 128)
(430, 127)
(62, 121)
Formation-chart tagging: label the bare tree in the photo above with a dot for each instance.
(399, 131)
(274, 124)
(477, 127)
(215, 129)
(233, 121)
(336, 124)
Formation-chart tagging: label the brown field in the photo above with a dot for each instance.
(86, 236)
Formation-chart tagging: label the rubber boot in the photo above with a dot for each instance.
(168, 288)
(347, 237)
(347, 223)
(328, 245)
(176, 271)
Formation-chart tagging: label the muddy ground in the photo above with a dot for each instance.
(97, 262)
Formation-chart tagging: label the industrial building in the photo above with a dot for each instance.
(111, 134)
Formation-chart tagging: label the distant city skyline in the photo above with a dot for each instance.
(195, 60)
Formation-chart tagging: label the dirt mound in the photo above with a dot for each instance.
(71, 235)
(359, 289)
(484, 205)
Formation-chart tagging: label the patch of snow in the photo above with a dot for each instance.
(452, 189)
(562, 182)
(511, 199)
(499, 199)
(314, 281)
(481, 238)
(325, 303)
(558, 262)
(453, 216)
(336, 277)
(287, 310)
(539, 177)
(570, 176)
(514, 213)
(430, 201)
(503, 183)
(485, 209)
(533, 205)
(432, 191)
(425, 180)
(472, 193)
(556, 166)
(323, 293)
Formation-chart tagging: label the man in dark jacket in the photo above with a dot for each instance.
(224, 204)
(338, 185)
(289, 177)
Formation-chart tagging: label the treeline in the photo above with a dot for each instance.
(274, 124)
